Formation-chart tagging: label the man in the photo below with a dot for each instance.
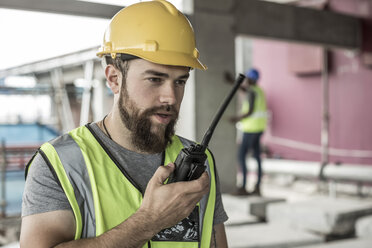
(252, 122)
(102, 185)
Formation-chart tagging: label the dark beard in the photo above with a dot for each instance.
(140, 125)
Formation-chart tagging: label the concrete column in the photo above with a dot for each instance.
(186, 121)
(87, 93)
(212, 23)
(99, 102)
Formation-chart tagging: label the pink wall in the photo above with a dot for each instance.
(295, 101)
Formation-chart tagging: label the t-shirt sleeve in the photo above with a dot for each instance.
(220, 215)
(42, 192)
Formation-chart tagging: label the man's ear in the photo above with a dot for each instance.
(112, 77)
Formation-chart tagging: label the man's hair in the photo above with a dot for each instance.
(118, 63)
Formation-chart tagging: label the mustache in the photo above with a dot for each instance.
(170, 109)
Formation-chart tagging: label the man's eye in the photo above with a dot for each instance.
(181, 82)
(155, 80)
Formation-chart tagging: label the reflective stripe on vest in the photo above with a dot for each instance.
(95, 186)
(257, 121)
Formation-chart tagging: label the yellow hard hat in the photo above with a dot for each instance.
(155, 31)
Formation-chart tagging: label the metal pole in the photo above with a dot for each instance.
(2, 178)
(87, 94)
(63, 103)
(325, 114)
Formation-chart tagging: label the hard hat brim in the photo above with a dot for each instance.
(164, 58)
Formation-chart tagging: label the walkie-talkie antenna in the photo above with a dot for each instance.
(190, 162)
(208, 134)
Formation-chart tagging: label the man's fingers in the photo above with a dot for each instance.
(163, 172)
(201, 188)
(196, 186)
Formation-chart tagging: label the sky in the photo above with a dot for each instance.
(28, 36)
(31, 36)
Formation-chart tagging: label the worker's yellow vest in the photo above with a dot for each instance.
(257, 121)
(102, 196)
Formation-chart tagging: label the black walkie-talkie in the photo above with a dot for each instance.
(189, 164)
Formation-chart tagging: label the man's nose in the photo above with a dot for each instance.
(168, 94)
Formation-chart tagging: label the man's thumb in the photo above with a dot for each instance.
(163, 172)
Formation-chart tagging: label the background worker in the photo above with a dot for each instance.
(102, 184)
(252, 122)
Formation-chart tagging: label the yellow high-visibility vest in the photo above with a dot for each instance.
(102, 195)
(257, 121)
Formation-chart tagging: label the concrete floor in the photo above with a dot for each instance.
(246, 231)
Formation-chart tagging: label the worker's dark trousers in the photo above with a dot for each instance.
(250, 141)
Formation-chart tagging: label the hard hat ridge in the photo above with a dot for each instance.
(170, 7)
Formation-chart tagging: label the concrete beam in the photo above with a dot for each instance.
(236, 207)
(346, 243)
(257, 205)
(67, 60)
(67, 7)
(307, 169)
(363, 227)
(269, 236)
(297, 24)
(327, 216)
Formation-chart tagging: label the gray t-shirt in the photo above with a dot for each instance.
(43, 193)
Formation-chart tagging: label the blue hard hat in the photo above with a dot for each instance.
(252, 74)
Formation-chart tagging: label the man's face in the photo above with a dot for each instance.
(251, 81)
(149, 102)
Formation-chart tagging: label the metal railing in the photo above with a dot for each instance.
(12, 158)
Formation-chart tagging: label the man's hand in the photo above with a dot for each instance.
(167, 204)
